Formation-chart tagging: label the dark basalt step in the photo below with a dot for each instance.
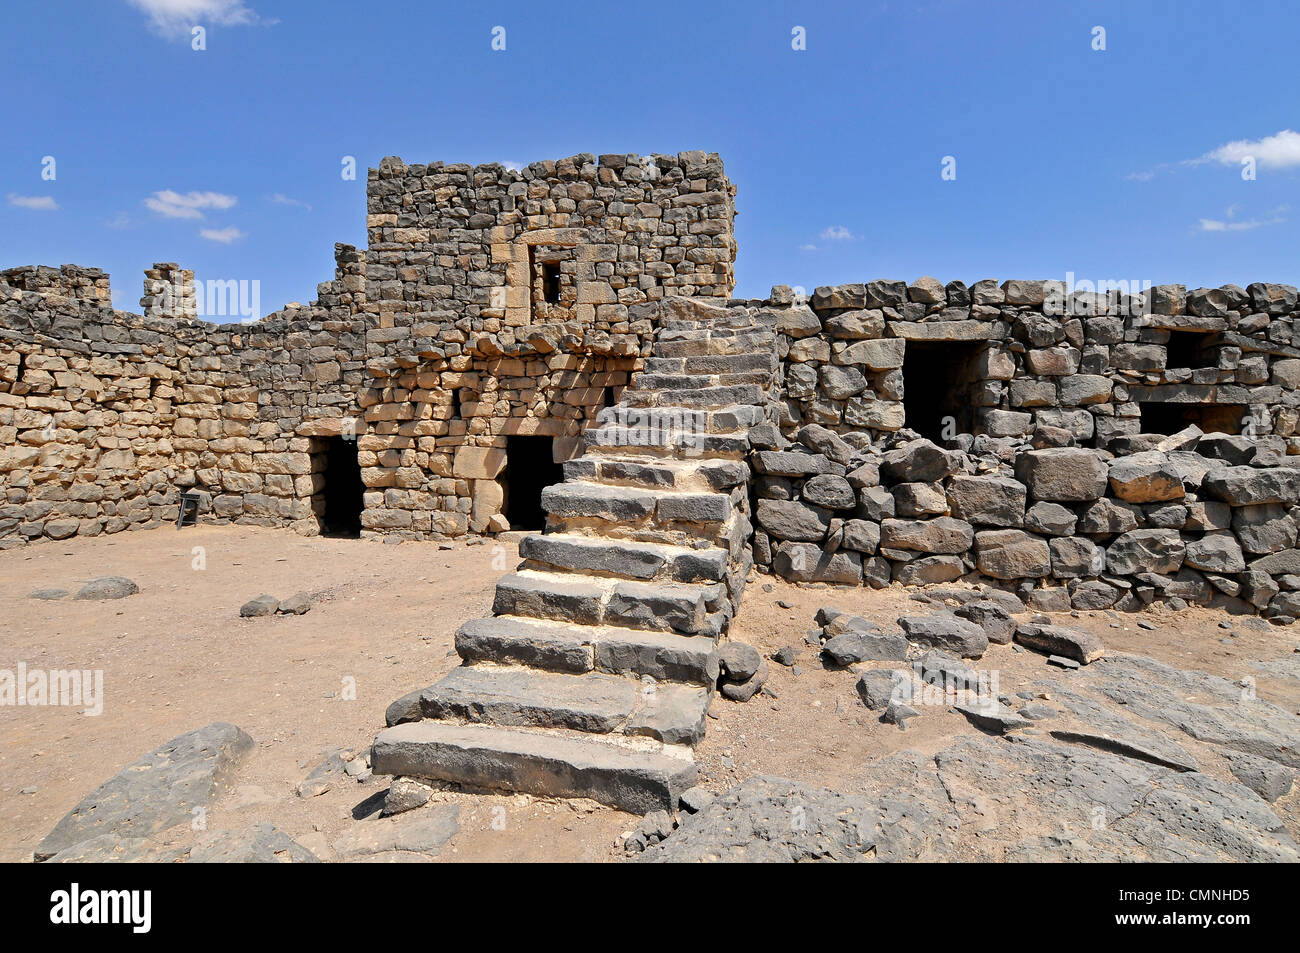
(552, 763)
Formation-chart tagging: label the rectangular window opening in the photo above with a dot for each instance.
(1187, 349)
(938, 377)
(1162, 417)
(551, 282)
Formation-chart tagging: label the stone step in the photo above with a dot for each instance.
(695, 397)
(595, 703)
(630, 506)
(693, 343)
(657, 381)
(712, 364)
(627, 559)
(685, 608)
(760, 336)
(636, 775)
(558, 646)
(725, 321)
(664, 421)
(615, 439)
(699, 475)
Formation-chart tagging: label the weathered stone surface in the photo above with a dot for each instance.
(987, 500)
(326, 775)
(1050, 519)
(259, 844)
(1012, 554)
(919, 499)
(1145, 482)
(1266, 778)
(1264, 529)
(862, 536)
(1075, 556)
(927, 570)
(1248, 486)
(107, 587)
(1206, 707)
(793, 521)
(423, 832)
(739, 691)
(807, 562)
(881, 685)
(1062, 474)
(156, 792)
(259, 607)
(920, 461)
(1078, 644)
(1215, 552)
(405, 794)
(990, 616)
(542, 763)
(943, 630)
(739, 662)
(941, 535)
(864, 646)
(1149, 812)
(991, 715)
(829, 492)
(1145, 550)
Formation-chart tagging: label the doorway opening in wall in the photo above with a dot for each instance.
(530, 468)
(1163, 417)
(551, 282)
(938, 377)
(1187, 349)
(340, 494)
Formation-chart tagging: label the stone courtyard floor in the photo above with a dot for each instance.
(177, 656)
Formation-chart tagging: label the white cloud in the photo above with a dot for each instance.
(41, 203)
(223, 235)
(837, 233)
(1229, 222)
(512, 166)
(807, 247)
(281, 199)
(175, 19)
(190, 205)
(1281, 151)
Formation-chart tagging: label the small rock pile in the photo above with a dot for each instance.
(265, 605)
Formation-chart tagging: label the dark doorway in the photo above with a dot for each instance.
(1161, 417)
(937, 378)
(343, 493)
(530, 468)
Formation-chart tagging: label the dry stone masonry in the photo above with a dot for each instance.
(1083, 450)
(394, 403)
(556, 350)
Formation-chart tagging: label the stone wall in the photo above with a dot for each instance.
(107, 416)
(1059, 483)
(1031, 355)
(430, 349)
(457, 253)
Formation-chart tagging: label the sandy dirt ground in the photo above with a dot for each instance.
(176, 656)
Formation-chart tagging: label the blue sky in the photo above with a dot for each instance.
(1122, 163)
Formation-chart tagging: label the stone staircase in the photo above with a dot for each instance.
(593, 676)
